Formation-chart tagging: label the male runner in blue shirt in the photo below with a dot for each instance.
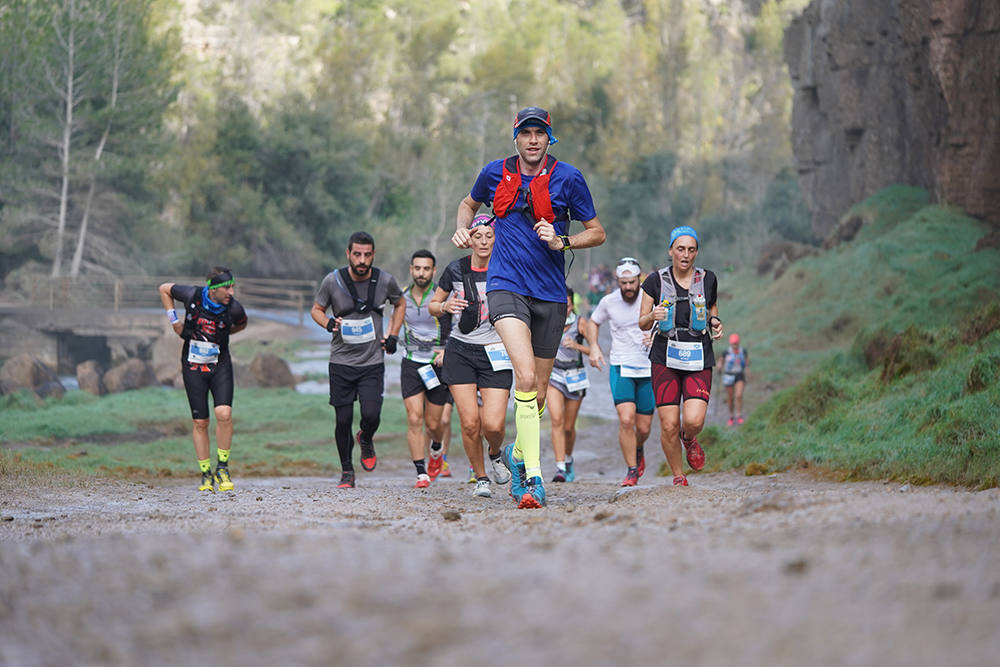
(534, 197)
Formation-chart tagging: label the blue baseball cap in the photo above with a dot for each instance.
(534, 116)
(683, 230)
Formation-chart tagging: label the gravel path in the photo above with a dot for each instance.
(734, 570)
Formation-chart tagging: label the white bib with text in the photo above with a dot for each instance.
(685, 356)
(203, 352)
(498, 357)
(356, 332)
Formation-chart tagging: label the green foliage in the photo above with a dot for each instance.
(901, 385)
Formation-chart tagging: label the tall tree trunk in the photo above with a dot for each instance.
(112, 104)
(64, 148)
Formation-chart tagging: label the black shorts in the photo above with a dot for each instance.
(545, 319)
(365, 383)
(411, 383)
(671, 385)
(465, 363)
(197, 383)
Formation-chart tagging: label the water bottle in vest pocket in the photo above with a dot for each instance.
(699, 313)
(667, 323)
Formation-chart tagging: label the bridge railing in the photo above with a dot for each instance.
(129, 292)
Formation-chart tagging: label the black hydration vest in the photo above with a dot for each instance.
(357, 305)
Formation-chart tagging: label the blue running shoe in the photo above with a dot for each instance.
(533, 496)
(570, 475)
(516, 468)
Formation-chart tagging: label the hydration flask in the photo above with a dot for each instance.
(699, 313)
(667, 323)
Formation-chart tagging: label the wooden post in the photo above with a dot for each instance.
(118, 294)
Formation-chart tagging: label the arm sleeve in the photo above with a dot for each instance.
(183, 293)
(486, 182)
(651, 286)
(581, 202)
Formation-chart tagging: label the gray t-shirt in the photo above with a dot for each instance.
(333, 294)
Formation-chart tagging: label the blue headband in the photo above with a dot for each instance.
(682, 231)
(548, 130)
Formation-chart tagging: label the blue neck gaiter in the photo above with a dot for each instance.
(208, 304)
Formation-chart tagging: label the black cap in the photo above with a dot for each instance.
(536, 114)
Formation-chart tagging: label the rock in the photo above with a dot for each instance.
(451, 515)
(271, 371)
(51, 389)
(244, 377)
(778, 257)
(133, 374)
(166, 354)
(25, 372)
(89, 377)
(895, 93)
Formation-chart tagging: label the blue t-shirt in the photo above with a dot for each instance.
(521, 262)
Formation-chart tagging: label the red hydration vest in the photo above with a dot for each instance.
(538, 201)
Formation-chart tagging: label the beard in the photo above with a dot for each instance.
(421, 282)
(629, 296)
(360, 269)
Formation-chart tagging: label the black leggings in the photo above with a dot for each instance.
(370, 418)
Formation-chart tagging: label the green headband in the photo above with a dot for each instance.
(225, 277)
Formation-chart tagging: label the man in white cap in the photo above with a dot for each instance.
(631, 387)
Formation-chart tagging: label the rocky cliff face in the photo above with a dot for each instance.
(896, 91)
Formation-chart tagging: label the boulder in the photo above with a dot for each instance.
(89, 377)
(25, 372)
(166, 353)
(133, 374)
(244, 376)
(271, 371)
(51, 389)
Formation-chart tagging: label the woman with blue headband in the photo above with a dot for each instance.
(679, 303)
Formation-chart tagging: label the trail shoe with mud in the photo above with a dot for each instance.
(515, 469)
(346, 480)
(368, 458)
(482, 488)
(533, 496)
(207, 481)
(695, 454)
(222, 477)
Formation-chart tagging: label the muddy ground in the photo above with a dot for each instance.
(734, 570)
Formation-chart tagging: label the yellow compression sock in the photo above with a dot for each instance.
(205, 464)
(223, 456)
(527, 444)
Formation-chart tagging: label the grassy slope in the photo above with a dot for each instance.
(912, 269)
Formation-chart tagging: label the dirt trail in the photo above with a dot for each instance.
(734, 570)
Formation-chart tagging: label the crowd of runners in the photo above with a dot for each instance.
(498, 318)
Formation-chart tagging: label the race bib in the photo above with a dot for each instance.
(685, 356)
(428, 375)
(728, 379)
(203, 352)
(356, 332)
(498, 357)
(576, 379)
(635, 371)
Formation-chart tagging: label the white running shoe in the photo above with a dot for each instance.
(500, 472)
(483, 488)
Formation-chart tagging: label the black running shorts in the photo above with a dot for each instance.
(411, 383)
(467, 363)
(218, 379)
(365, 383)
(545, 319)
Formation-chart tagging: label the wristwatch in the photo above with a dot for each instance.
(565, 243)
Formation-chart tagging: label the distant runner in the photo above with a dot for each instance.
(733, 365)
(356, 295)
(424, 395)
(680, 302)
(630, 372)
(567, 387)
(211, 316)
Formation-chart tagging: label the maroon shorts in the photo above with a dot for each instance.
(670, 385)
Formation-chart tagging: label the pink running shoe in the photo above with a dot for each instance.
(695, 454)
(730, 422)
(680, 480)
(739, 420)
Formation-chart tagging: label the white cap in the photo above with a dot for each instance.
(628, 267)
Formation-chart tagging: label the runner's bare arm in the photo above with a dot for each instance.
(648, 313)
(398, 313)
(441, 304)
(592, 235)
(466, 211)
(167, 299)
(716, 325)
(318, 314)
(589, 329)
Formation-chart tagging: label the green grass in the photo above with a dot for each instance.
(277, 431)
